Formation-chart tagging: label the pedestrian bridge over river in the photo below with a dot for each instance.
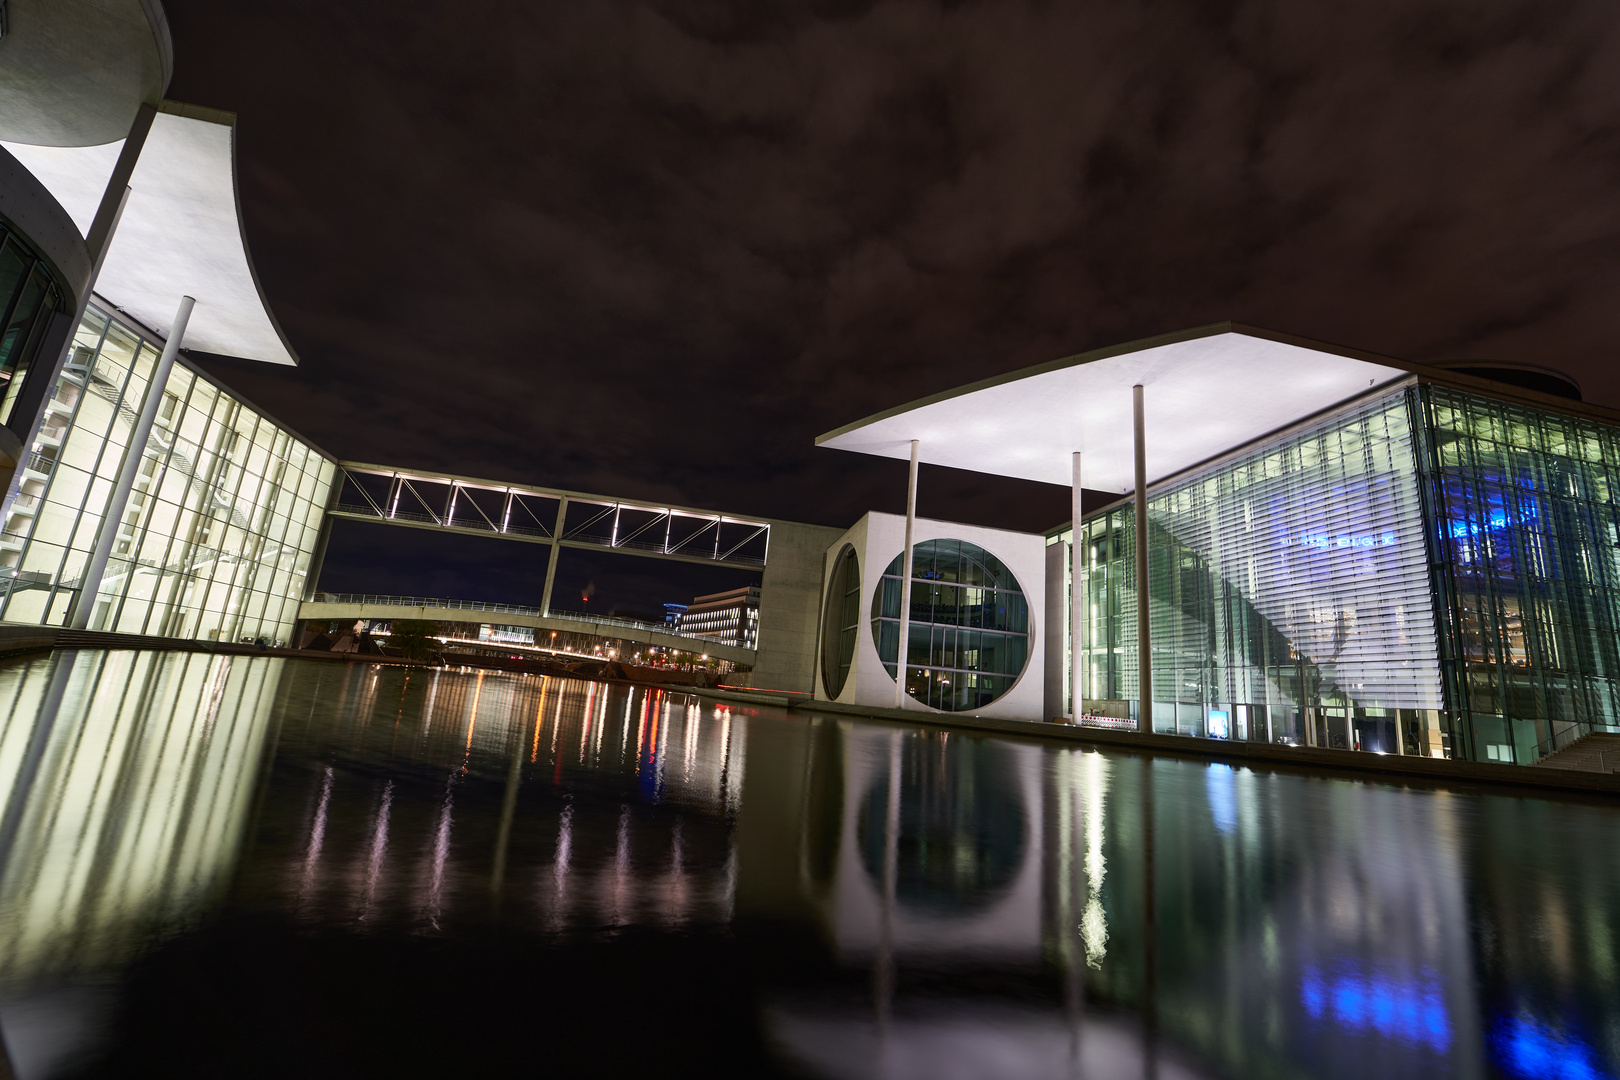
(350, 606)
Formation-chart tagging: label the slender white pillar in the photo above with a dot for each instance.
(1077, 607)
(556, 549)
(905, 586)
(112, 520)
(1144, 650)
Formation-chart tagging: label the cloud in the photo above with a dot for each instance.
(655, 249)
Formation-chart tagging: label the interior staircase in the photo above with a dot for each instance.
(1597, 752)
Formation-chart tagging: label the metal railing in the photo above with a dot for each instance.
(485, 607)
(1561, 738)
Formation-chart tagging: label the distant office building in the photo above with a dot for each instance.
(730, 618)
(506, 635)
(673, 614)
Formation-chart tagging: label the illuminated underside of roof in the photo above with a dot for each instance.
(1206, 391)
(181, 233)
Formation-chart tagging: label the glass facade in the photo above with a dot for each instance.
(28, 299)
(1528, 533)
(1290, 596)
(1428, 571)
(221, 524)
(969, 630)
(728, 618)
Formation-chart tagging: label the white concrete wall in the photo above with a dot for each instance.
(877, 539)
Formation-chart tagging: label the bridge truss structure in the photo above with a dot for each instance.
(551, 516)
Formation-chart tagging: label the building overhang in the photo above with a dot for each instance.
(1207, 391)
(73, 72)
(181, 233)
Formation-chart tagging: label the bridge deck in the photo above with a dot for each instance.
(382, 609)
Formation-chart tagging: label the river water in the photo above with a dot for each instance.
(242, 867)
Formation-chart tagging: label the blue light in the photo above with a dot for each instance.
(1408, 1008)
(1341, 540)
(1222, 789)
(1537, 1052)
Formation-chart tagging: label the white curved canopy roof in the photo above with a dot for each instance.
(181, 233)
(1206, 391)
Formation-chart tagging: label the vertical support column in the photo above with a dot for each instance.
(1077, 619)
(317, 559)
(313, 576)
(556, 549)
(134, 454)
(1144, 649)
(39, 382)
(903, 653)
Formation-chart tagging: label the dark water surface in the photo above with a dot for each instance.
(257, 867)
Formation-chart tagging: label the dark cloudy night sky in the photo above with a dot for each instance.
(655, 249)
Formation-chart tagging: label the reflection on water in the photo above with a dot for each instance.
(125, 779)
(628, 875)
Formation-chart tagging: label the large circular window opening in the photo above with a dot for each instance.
(969, 636)
(841, 622)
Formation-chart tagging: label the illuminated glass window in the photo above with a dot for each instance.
(970, 626)
(28, 299)
(220, 527)
(1290, 592)
(1528, 538)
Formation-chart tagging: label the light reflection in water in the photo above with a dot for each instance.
(991, 894)
(126, 779)
(1396, 1005)
(1533, 1050)
(1094, 923)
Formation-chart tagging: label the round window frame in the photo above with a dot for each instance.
(874, 619)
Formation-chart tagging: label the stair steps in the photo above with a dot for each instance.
(1598, 752)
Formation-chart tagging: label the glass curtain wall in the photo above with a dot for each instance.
(969, 627)
(28, 299)
(1290, 594)
(1528, 535)
(67, 476)
(221, 524)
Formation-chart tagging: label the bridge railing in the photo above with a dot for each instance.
(485, 607)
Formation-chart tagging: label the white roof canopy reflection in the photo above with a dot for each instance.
(181, 233)
(1206, 391)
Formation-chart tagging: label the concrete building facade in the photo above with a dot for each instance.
(978, 605)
